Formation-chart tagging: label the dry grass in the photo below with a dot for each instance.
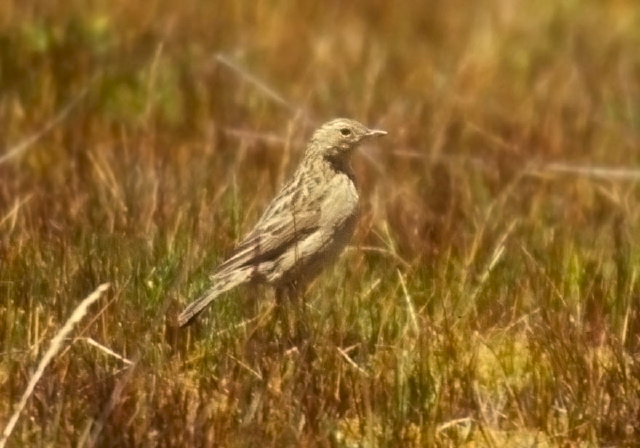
(492, 294)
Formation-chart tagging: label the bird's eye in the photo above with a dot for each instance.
(345, 131)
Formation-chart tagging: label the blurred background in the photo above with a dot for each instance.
(491, 294)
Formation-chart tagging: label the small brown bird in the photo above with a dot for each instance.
(306, 226)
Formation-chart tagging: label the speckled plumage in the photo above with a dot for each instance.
(307, 224)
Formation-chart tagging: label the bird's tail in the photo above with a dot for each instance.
(222, 284)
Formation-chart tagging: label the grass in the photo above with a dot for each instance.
(490, 297)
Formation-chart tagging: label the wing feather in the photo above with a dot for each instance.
(271, 238)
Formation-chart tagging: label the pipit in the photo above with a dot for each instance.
(306, 226)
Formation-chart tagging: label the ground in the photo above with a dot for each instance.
(490, 296)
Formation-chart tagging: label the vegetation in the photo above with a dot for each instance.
(491, 296)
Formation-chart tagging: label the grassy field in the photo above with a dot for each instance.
(490, 298)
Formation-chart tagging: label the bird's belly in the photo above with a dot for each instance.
(339, 217)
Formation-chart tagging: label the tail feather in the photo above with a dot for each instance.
(221, 285)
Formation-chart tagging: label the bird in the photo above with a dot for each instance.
(305, 227)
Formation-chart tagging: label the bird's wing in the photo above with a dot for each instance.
(272, 236)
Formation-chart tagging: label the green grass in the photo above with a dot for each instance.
(489, 299)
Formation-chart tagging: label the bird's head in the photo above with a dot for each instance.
(337, 139)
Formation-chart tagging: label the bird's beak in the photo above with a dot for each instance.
(376, 133)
